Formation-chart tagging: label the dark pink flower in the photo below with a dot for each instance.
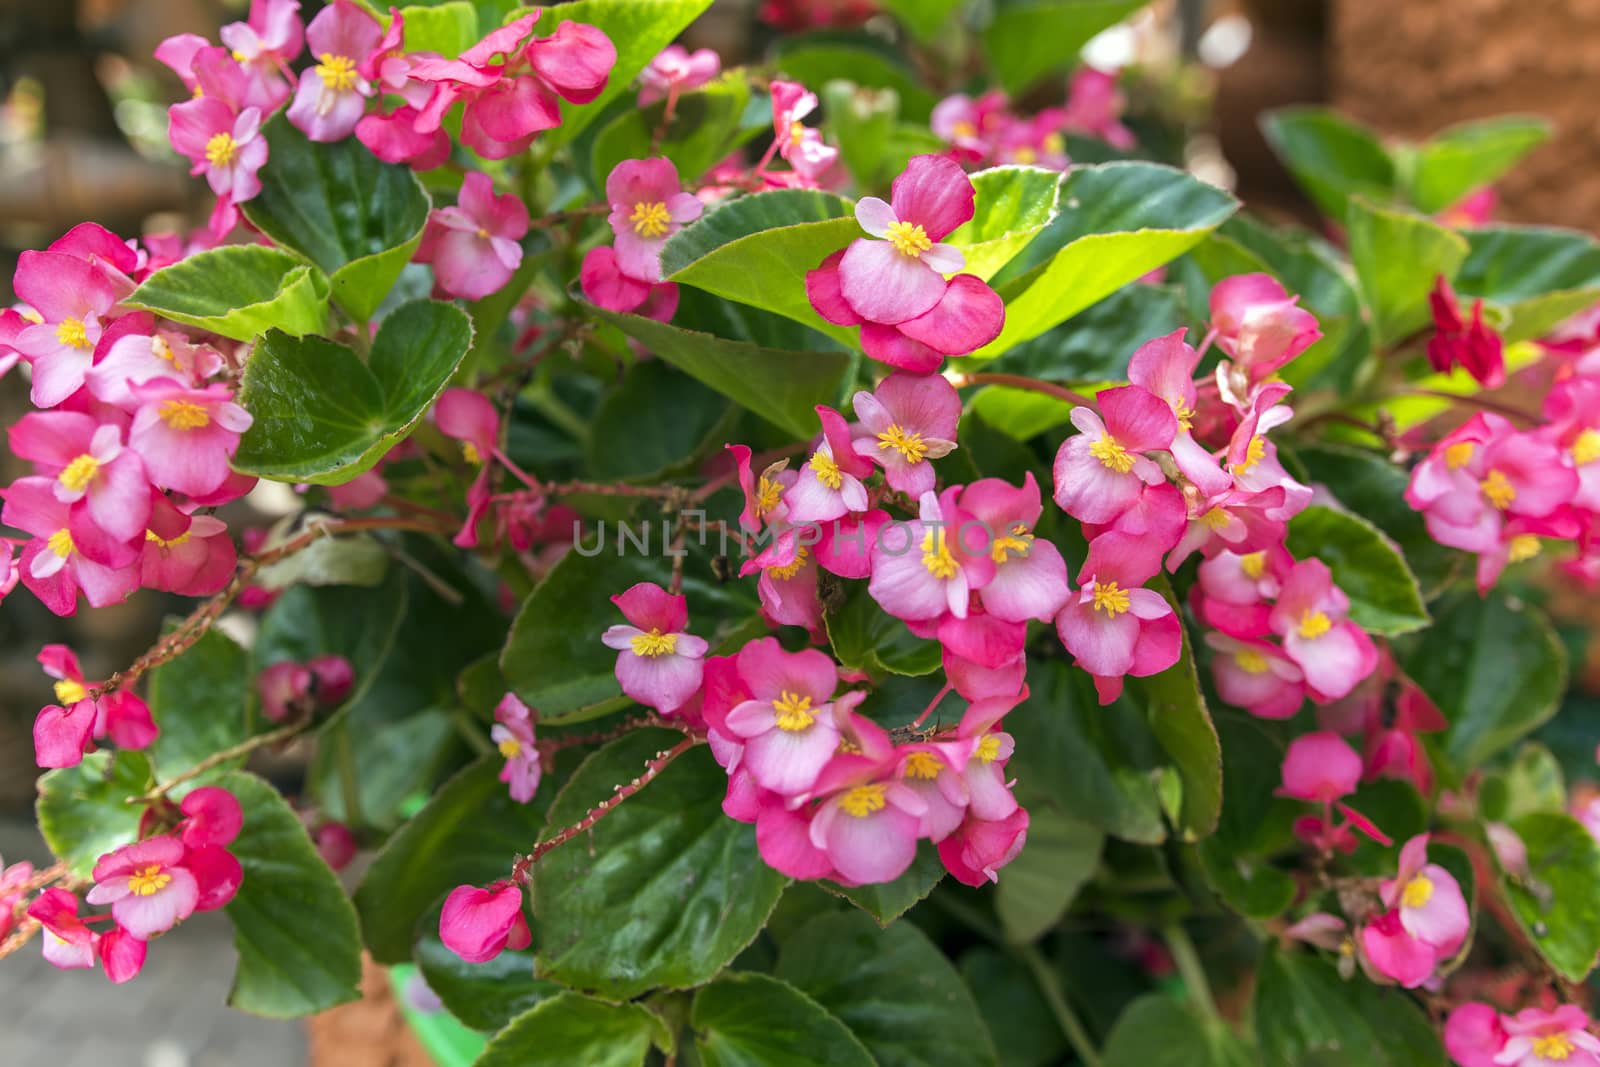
(1320, 767)
(658, 662)
(1030, 577)
(1256, 676)
(70, 297)
(335, 844)
(1309, 616)
(190, 555)
(830, 485)
(212, 817)
(908, 420)
(147, 885)
(1473, 346)
(1100, 472)
(1115, 627)
(1259, 325)
(788, 725)
(1474, 1035)
(60, 734)
(102, 481)
(512, 734)
(284, 688)
(648, 205)
(332, 96)
(1095, 105)
(68, 943)
(473, 246)
(975, 853)
(122, 954)
(51, 566)
(478, 924)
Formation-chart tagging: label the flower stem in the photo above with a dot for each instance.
(1050, 986)
(344, 756)
(1018, 381)
(1190, 968)
(216, 759)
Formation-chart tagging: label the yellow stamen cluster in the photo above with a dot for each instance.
(768, 494)
(73, 334)
(1586, 449)
(60, 543)
(1523, 547)
(1250, 661)
(1314, 624)
(338, 73)
(1557, 1047)
(220, 149)
(510, 748)
(1112, 456)
(923, 765)
(69, 691)
(1111, 598)
(1019, 541)
(162, 542)
(184, 415)
(936, 555)
(792, 568)
(988, 749)
(909, 239)
(1417, 892)
(1253, 453)
(1254, 565)
(863, 800)
(77, 475)
(911, 446)
(470, 453)
(793, 712)
(826, 470)
(655, 643)
(1459, 454)
(650, 218)
(1498, 489)
(147, 881)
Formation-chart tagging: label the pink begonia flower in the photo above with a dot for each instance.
(868, 821)
(478, 924)
(1259, 325)
(1151, 526)
(788, 591)
(51, 566)
(12, 881)
(186, 436)
(1538, 1038)
(1256, 676)
(908, 420)
(468, 416)
(1115, 627)
(1320, 767)
(1474, 1035)
(763, 493)
(605, 285)
(394, 138)
(103, 481)
(830, 484)
(658, 663)
(783, 838)
(1573, 410)
(332, 96)
(985, 678)
(1095, 105)
(473, 245)
(139, 355)
(1030, 577)
(1429, 900)
(932, 565)
(677, 70)
(228, 148)
(1253, 459)
(121, 954)
(1236, 521)
(1100, 471)
(178, 53)
(648, 205)
(70, 297)
(902, 275)
(217, 873)
(68, 943)
(264, 45)
(1473, 346)
(1236, 589)
(977, 850)
(788, 725)
(800, 146)
(1165, 367)
(1392, 953)
(512, 734)
(1034, 142)
(931, 770)
(113, 259)
(62, 733)
(1310, 617)
(845, 547)
(147, 885)
(190, 555)
(212, 817)
(335, 844)
(284, 688)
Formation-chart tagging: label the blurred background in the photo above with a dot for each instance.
(83, 136)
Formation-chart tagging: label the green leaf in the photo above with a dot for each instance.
(1003, 988)
(706, 126)
(1534, 782)
(84, 811)
(1158, 1031)
(664, 891)
(238, 291)
(639, 29)
(1117, 222)
(1305, 1013)
(571, 1029)
(1093, 346)
(887, 901)
(1254, 823)
(553, 657)
(1469, 155)
(865, 637)
(322, 416)
(1494, 667)
(1177, 713)
(1250, 885)
(1331, 157)
(1366, 565)
(295, 931)
(1028, 39)
(201, 703)
(348, 560)
(1556, 904)
(755, 1020)
(656, 419)
(485, 996)
(1013, 205)
(467, 834)
(356, 623)
(1538, 275)
(1369, 485)
(1398, 256)
(767, 364)
(815, 59)
(756, 250)
(356, 217)
(892, 987)
(862, 120)
(924, 18)
(448, 29)
(1021, 413)
(1060, 856)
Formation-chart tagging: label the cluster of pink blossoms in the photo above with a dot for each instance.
(151, 885)
(1476, 1035)
(985, 132)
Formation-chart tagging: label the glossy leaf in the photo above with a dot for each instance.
(1556, 904)
(1004, 989)
(200, 702)
(1116, 223)
(1537, 275)
(663, 892)
(238, 291)
(1306, 1013)
(323, 416)
(1028, 39)
(887, 901)
(1331, 157)
(571, 1029)
(356, 217)
(1493, 666)
(1181, 722)
(1158, 1031)
(293, 926)
(1468, 156)
(656, 419)
(485, 996)
(1397, 256)
(1040, 884)
(448, 28)
(1013, 205)
(893, 988)
(755, 1020)
(83, 811)
(1366, 565)
(865, 637)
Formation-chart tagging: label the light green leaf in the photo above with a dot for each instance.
(448, 29)
(570, 1029)
(356, 217)
(1178, 716)
(1556, 904)
(924, 18)
(1013, 205)
(755, 1020)
(1366, 565)
(1028, 39)
(1469, 155)
(1305, 1013)
(299, 949)
(323, 416)
(664, 891)
(238, 291)
(1331, 157)
(83, 811)
(201, 703)
(1039, 885)
(1538, 275)
(1398, 256)
(1020, 413)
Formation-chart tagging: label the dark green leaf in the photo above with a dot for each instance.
(815, 59)
(1538, 275)
(1366, 565)
(1331, 157)
(705, 127)
(299, 949)
(1095, 344)
(1004, 990)
(664, 891)
(1305, 1013)
(201, 703)
(84, 812)
(1028, 39)
(865, 637)
(1157, 1031)
(887, 901)
(485, 996)
(238, 291)
(1039, 885)
(1556, 904)
(1397, 256)
(569, 1029)
(1250, 885)
(323, 416)
(1469, 155)
(657, 418)
(754, 1020)
(892, 987)
(356, 217)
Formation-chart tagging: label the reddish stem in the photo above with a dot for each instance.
(1033, 385)
(938, 698)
